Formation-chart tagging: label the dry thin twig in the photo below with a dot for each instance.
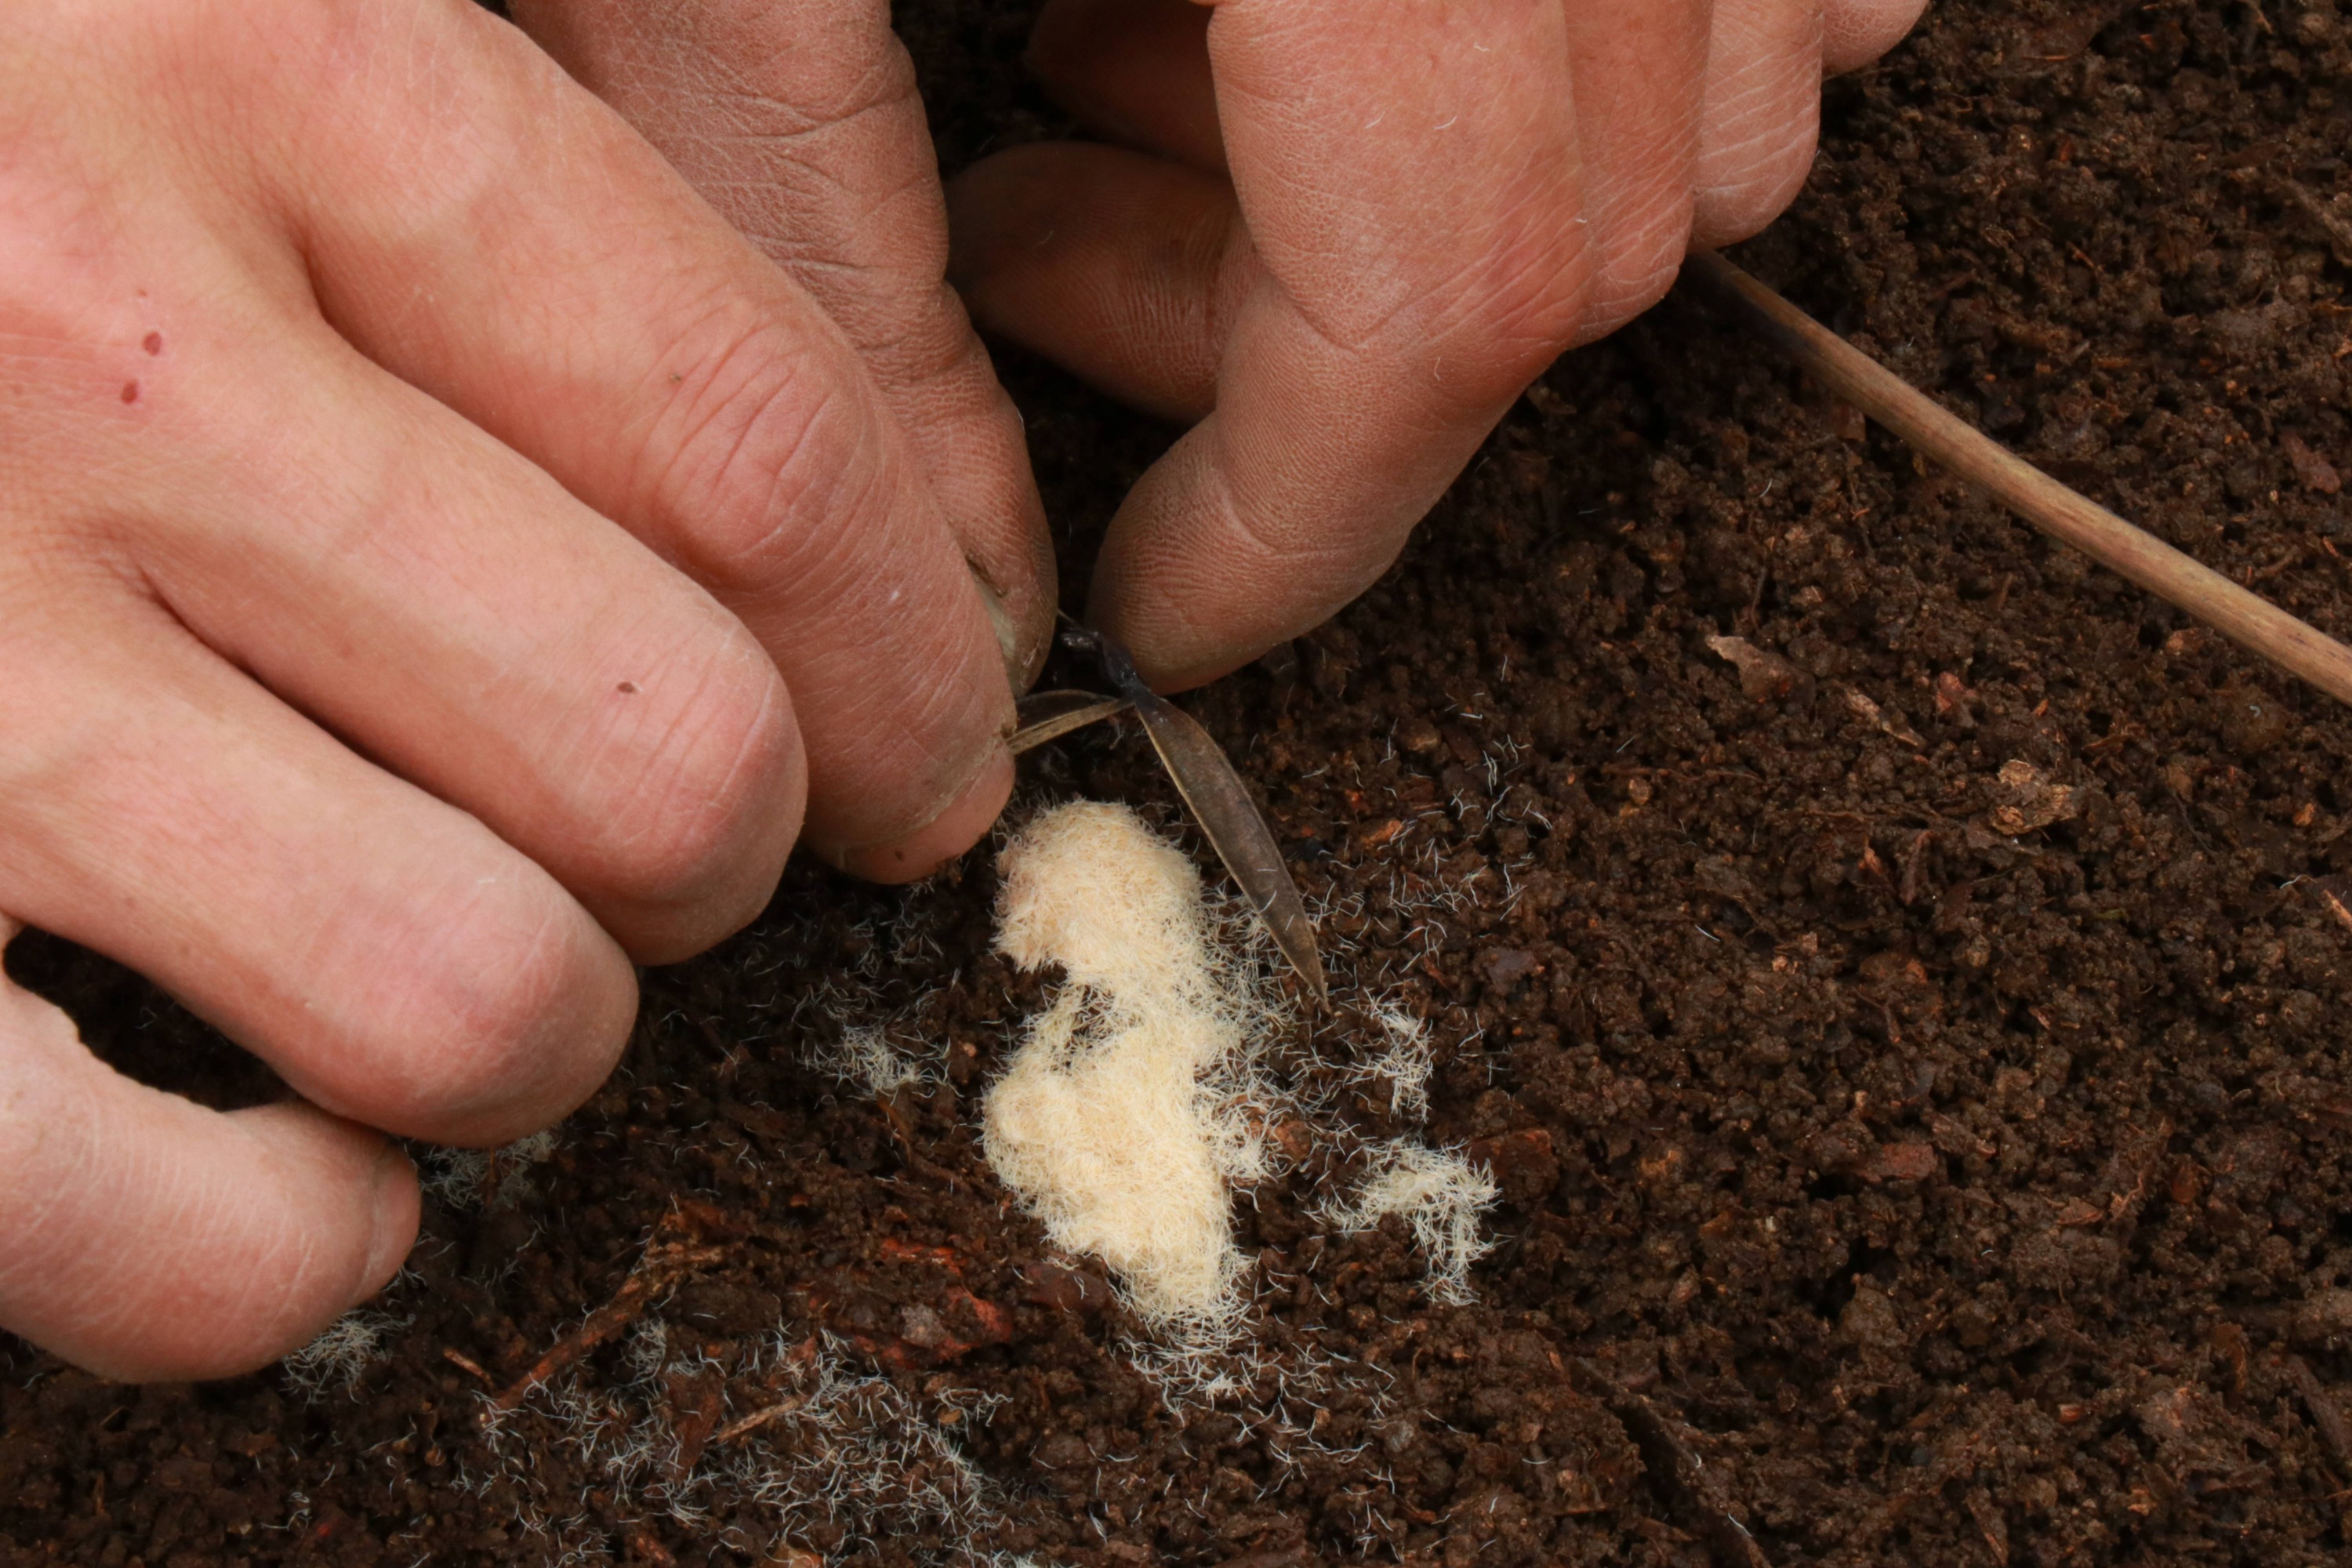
(2132, 552)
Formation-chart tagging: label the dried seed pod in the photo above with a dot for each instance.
(1204, 776)
(1221, 804)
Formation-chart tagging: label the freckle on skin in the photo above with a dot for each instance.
(130, 392)
(628, 687)
(154, 344)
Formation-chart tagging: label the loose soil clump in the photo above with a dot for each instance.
(1895, 974)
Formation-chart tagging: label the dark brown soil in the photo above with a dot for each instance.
(1917, 1079)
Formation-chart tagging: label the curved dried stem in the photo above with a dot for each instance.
(2130, 552)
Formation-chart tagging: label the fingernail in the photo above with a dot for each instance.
(1008, 635)
(945, 836)
(395, 1217)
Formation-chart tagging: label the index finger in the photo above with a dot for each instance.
(1411, 178)
(534, 265)
(800, 121)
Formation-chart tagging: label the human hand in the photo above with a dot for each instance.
(799, 121)
(1351, 235)
(440, 559)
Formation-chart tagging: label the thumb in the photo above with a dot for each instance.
(146, 1237)
(799, 121)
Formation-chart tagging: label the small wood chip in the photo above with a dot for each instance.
(1900, 1162)
(1763, 674)
(1870, 713)
(666, 1261)
(2315, 472)
(2325, 215)
(646, 1549)
(2028, 800)
(2335, 896)
(1911, 864)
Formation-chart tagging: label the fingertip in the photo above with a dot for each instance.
(945, 836)
(994, 207)
(365, 1188)
(1174, 645)
(1194, 585)
(1024, 647)
(397, 1209)
(1761, 118)
(1856, 33)
(1169, 663)
(177, 1243)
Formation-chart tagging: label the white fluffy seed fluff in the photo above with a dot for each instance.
(341, 1354)
(1440, 1194)
(1403, 1065)
(1125, 1115)
(866, 1056)
(465, 1179)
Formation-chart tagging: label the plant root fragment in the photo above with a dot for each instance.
(665, 1263)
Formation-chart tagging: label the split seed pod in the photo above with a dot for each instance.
(1212, 791)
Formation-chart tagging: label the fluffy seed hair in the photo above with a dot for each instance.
(1436, 1192)
(1125, 1116)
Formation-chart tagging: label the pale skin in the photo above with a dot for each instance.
(472, 497)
